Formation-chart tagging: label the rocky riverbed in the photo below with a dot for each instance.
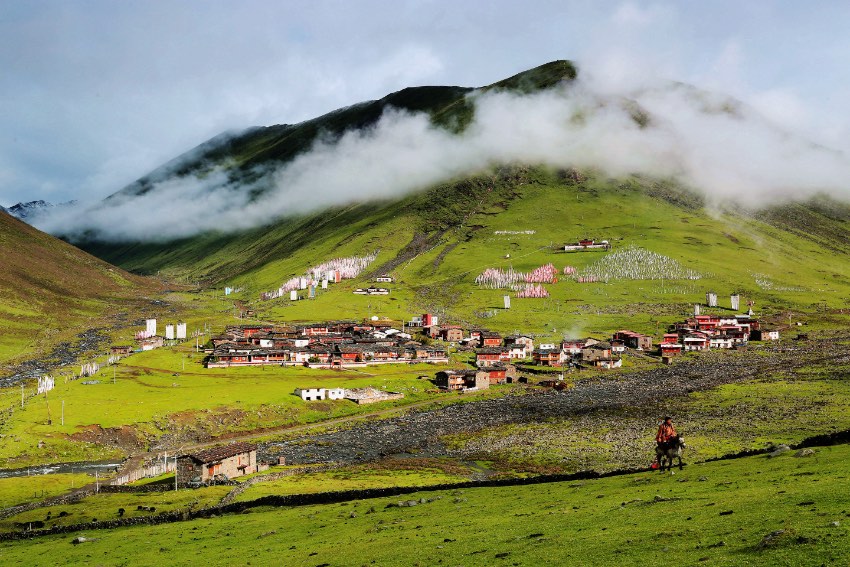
(65, 353)
(635, 399)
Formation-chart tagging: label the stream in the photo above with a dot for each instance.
(89, 467)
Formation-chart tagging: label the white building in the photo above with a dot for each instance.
(334, 393)
(316, 394)
(169, 332)
(310, 394)
(721, 341)
(517, 351)
(181, 331)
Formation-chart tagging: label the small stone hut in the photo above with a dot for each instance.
(233, 460)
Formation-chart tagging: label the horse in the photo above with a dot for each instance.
(672, 449)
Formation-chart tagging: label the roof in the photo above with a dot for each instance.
(629, 333)
(461, 372)
(223, 452)
(489, 351)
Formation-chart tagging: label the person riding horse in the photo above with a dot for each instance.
(666, 432)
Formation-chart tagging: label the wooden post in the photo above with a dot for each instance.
(63, 412)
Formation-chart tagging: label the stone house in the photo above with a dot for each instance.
(459, 380)
(236, 459)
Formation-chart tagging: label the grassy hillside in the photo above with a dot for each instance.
(788, 259)
(52, 290)
(755, 511)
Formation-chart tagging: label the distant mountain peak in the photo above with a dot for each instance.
(29, 209)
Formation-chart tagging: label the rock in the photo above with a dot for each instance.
(835, 524)
(702, 479)
(770, 539)
(804, 453)
(353, 515)
(779, 450)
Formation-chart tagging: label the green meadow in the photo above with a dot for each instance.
(24, 489)
(754, 511)
(168, 391)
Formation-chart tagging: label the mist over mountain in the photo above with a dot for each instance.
(29, 210)
(382, 150)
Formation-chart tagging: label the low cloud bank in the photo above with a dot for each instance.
(710, 142)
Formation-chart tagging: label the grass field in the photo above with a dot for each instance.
(24, 489)
(405, 472)
(105, 507)
(756, 511)
(153, 395)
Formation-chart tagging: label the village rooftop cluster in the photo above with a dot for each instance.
(352, 344)
(321, 345)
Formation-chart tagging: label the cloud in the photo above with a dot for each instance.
(96, 94)
(709, 141)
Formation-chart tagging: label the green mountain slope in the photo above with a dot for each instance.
(790, 257)
(50, 288)
(793, 257)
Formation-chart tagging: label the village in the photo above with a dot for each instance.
(424, 339)
(470, 359)
(493, 359)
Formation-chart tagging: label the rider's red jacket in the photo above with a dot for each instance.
(665, 432)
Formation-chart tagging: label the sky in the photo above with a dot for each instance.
(94, 94)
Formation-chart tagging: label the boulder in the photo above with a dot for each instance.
(778, 450)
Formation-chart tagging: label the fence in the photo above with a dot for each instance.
(144, 472)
